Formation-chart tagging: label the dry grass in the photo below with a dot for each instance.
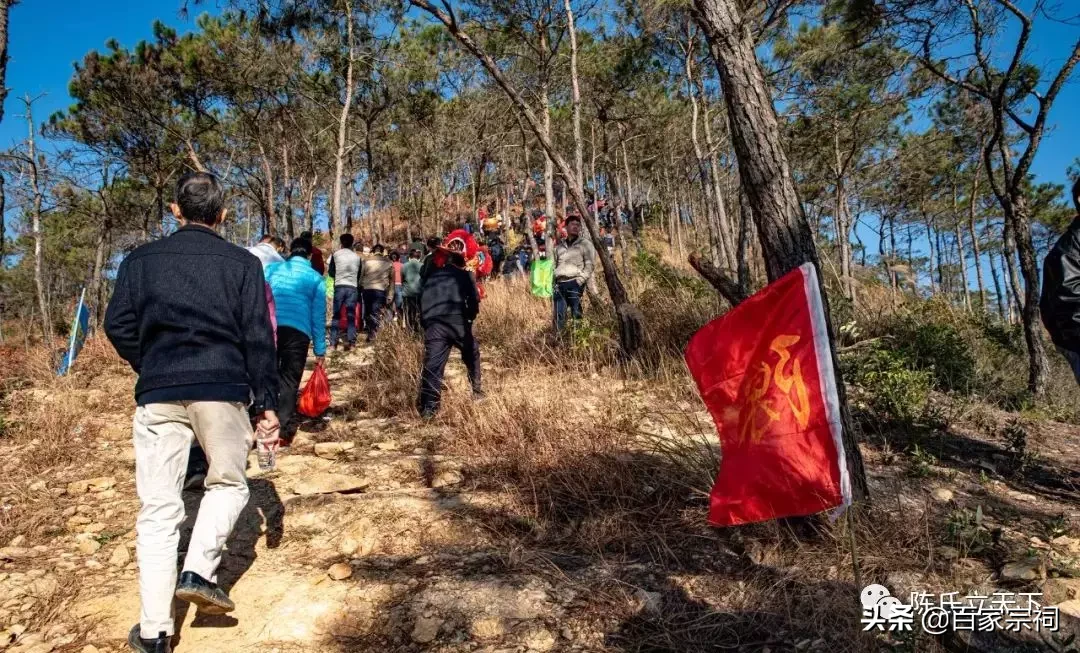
(601, 469)
(49, 424)
(606, 465)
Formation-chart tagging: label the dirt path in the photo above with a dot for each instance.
(367, 538)
(357, 539)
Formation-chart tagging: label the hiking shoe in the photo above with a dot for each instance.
(160, 644)
(209, 598)
(479, 395)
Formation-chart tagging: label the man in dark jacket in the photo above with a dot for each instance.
(317, 262)
(448, 305)
(1060, 303)
(427, 264)
(189, 314)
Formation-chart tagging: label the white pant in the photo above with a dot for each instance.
(163, 437)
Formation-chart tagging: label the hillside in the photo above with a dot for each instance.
(565, 512)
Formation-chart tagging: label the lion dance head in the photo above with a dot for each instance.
(477, 257)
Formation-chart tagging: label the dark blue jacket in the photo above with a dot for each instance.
(449, 297)
(189, 314)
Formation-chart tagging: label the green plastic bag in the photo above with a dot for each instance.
(542, 277)
(329, 287)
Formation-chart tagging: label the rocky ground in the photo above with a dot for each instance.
(366, 537)
(358, 540)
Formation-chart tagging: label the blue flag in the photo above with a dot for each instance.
(79, 327)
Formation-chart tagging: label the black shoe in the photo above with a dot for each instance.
(209, 598)
(160, 644)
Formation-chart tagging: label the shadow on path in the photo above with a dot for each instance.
(264, 505)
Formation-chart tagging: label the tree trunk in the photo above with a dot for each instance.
(575, 99)
(96, 277)
(1037, 364)
(545, 111)
(998, 294)
(309, 206)
(743, 253)
(930, 240)
(36, 229)
(5, 6)
(679, 225)
(963, 268)
(630, 208)
(942, 260)
(860, 243)
(1007, 297)
(1008, 253)
(716, 242)
(592, 163)
(843, 239)
(269, 194)
(290, 228)
(631, 321)
(343, 123)
(723, 224)
(783, 232)
(975, 235)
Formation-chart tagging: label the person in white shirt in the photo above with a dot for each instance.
(345, 271)
(268, 250)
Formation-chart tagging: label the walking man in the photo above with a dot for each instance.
(498, 253)
(268, 250)
(376, 277)
(189, 314)
(317, 262)
(449, 303)
(1060, 303)
(300, 294)
(575, 260)
(399, 296)
(345, 271)
(410, 273)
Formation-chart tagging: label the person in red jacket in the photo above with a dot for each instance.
(317, 262)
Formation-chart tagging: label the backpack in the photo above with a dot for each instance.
(542, 277)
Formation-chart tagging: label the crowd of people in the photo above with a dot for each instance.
(220, 337)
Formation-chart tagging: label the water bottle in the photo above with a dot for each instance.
(266, 446)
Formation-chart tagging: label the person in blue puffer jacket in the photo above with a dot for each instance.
(300, 298)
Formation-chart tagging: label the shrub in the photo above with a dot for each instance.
(966, 531)
(921, 463)
(666, 277)
(930, 344)
(893, 388)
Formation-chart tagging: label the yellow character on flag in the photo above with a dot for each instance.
(757, 406)
(758, 413)
(800, 405)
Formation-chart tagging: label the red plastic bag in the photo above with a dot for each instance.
(315, 397)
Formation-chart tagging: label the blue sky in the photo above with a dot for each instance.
(47, 36)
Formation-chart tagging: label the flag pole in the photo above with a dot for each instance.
(854, 550)
(74, 331)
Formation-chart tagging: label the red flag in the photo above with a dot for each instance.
(765, 373)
